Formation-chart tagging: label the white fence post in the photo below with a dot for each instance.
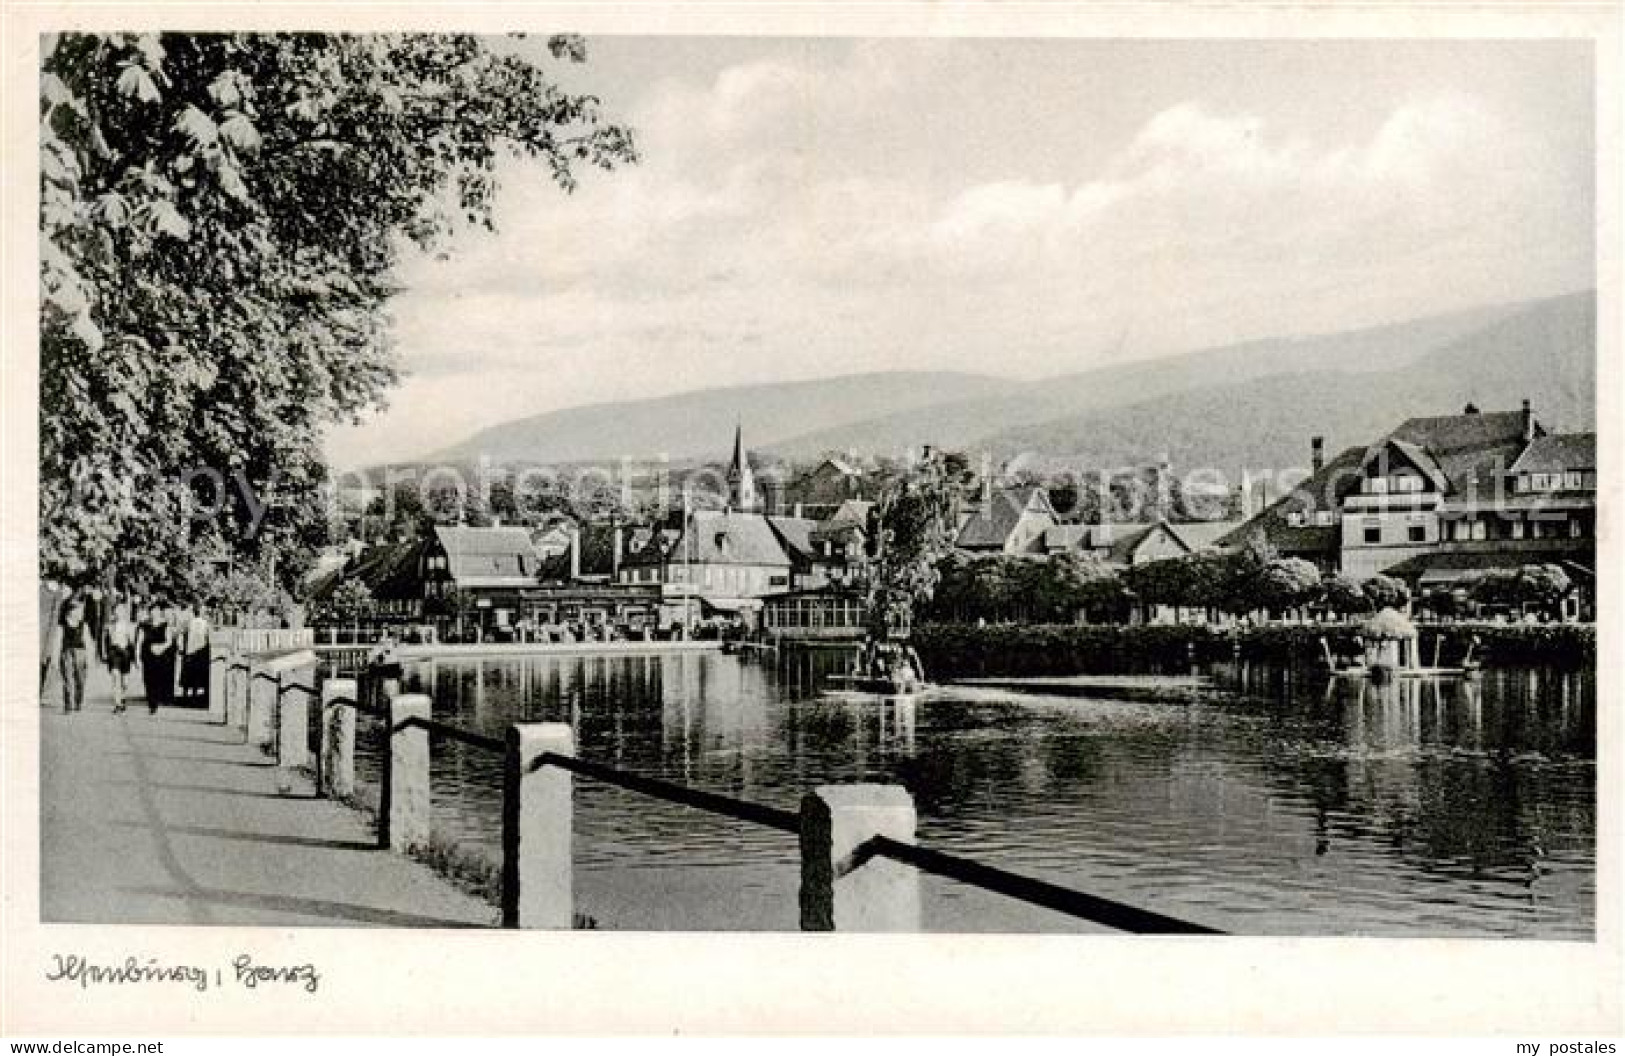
(261, 706)
(404, 813)
(219, 661)
(839, 893)
(338, 739)
(537, 826)
(236, 694)
(294, 690)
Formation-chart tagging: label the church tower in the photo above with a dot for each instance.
(741, 482)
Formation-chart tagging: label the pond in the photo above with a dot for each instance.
(1249, 799)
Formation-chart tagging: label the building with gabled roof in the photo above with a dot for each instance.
(1441, 499)
(1010, 520)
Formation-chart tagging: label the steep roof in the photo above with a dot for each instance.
(1417, 456)
(1455, 431)
(795, 535)
(1473, 451)
(850, 516)
(1118, 538)
(1202, 535)
(993, 525)
(1321, 492)
(1121, 540)
(1558, 453)
(718, 537)
(389, 570)
(487, 556)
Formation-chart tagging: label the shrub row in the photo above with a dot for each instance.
(965, 650)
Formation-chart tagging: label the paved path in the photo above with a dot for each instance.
(170, 819)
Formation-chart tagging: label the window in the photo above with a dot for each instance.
(1323, 518)
(1373, 534)
(1518, 529)
(1572, 481)
(1377, 485)
(1295, 519)
(1481, 530)
(1417, 533)
(1576, 529)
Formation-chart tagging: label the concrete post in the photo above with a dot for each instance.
(537, 825)
(404, 814)
(294, 689)
(218, 662)
(261, 707)
(236, 694)
(338, 739)
(839, 894)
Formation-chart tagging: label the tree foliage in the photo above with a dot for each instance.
(1025, 588)
(1343, 595)
(351, 600)
(1543, 584)
(910, 531)
(221, 219)
(1385, 592)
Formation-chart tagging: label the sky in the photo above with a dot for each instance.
(814, 207)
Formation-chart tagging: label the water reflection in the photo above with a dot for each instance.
(1257, 801)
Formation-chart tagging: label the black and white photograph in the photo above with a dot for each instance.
(933, 484)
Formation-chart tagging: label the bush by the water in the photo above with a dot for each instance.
(966, 650)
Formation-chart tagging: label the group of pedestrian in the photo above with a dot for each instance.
(168, 643)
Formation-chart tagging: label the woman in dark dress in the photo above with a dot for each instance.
(157, 658)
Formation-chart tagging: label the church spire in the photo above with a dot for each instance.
(741, 482)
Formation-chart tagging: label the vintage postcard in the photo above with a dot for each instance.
(1107, 510)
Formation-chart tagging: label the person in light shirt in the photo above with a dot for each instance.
(195, 656)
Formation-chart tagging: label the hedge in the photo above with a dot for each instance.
(965, 650)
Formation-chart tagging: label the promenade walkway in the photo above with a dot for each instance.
(168, 819)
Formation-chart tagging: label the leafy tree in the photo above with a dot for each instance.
(1543, 584)
(909, 532)
(1531, 584)
(221, 218)
(351, 600)
(1288, 583)
(1385, 592)
(1344, 595)
(1088, 584)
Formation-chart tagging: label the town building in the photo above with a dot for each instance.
(1126, 544)
(820, 491)
(1440, 500)
(1010, 520)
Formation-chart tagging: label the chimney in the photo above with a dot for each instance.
(1247, 510)
(1317, 453)
(1528, 422)
(575, 552)
(987, 492)
(1471, 408)
(615, 556)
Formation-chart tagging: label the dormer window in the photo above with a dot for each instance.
(1323, 518)
(1295, 519)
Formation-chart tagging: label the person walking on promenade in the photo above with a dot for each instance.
(118, 646)
(53, 599)
(157, 658)
(74, 657)
(195, 656)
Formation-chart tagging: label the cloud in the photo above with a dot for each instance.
(786, 223)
